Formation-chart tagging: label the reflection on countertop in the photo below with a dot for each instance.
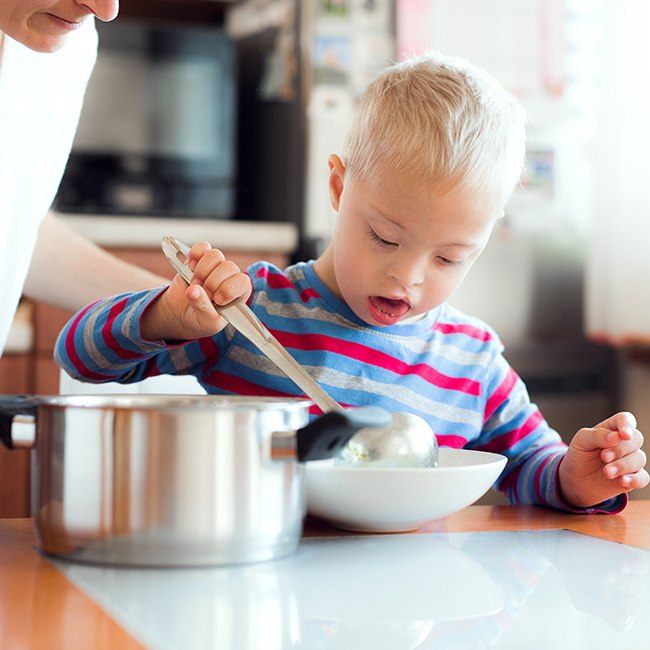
(551, 589)
(146, 232)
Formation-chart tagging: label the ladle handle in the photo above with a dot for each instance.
(239, 315)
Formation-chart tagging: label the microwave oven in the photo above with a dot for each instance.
(157, 131)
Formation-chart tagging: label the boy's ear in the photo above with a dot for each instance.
(337, 175)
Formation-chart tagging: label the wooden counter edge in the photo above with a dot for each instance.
(40, 608)
(629, 527)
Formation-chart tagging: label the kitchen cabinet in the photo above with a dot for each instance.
(16, 373)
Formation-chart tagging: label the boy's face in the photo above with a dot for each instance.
(400, 248)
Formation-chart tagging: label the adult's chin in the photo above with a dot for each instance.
(43, 34)
(47, 45)
(39, 42)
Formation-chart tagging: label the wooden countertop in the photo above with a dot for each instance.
(630, 527)
(40, 608)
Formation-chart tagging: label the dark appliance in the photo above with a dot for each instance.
(157, 132)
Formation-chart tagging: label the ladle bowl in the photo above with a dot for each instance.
(407, 441)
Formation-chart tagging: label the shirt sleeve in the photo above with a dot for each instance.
(103, 343)
(514, 427)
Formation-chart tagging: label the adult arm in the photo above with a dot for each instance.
(69, 271)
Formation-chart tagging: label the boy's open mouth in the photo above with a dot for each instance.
(387, 311)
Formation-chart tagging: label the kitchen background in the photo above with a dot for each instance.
(213, 120)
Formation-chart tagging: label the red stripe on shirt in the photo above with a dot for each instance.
(209, 348)
(109, 338)
(79, 365)
(275, 280)
(210, 352)
(500, 395)
(462, 328)
(376, 358)
(308, 293)
(457, 442)
(506, 440)
(239, 386)
(511, 481)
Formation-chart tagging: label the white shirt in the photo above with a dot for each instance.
(40, 102)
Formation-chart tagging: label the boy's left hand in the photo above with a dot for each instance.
(603, 461)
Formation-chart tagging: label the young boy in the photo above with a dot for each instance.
(430, 161)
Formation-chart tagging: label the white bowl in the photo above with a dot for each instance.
(392, 500)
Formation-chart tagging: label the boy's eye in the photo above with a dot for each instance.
(380, 240)
(448, 262)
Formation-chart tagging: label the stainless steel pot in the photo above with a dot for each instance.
(171, 480)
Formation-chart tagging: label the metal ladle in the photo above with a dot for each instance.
(407, 441)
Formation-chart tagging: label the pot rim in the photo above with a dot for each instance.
(177, 402)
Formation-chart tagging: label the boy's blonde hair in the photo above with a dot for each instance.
(439, 119)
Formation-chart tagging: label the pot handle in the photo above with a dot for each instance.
(11, 408)
(325, 437)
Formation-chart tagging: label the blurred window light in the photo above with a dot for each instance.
(618, 301)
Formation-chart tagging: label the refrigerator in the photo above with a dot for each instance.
(303, 65)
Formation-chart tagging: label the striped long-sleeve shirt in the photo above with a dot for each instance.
(446, 367)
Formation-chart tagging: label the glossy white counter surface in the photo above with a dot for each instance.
(109, 231)
(540, 589)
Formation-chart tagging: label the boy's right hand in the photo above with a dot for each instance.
(186, 312)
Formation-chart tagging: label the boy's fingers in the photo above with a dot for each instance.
(233, 287)
(628, 465)
(624, 448)
(635, 481)
(220, 274)
(595, 438)
(196, 252)
(206, 314)
(194, 293)
(618, 421)
(211, 259)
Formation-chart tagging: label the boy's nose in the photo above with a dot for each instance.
(105, 10)
(407, 276)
